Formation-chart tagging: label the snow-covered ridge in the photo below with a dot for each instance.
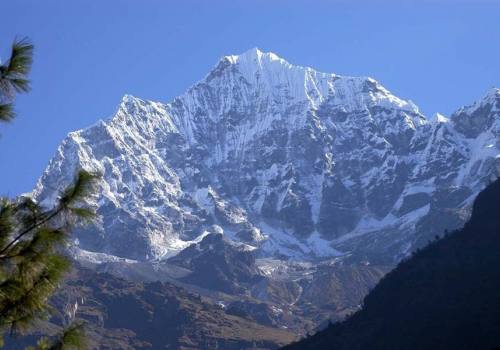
(289, 161)
(492, 97)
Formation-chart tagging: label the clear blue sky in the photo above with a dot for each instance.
(440, 54)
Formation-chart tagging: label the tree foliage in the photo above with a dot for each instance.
(32, 236)
(13, 76)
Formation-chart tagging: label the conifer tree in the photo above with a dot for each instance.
(33, 237)
(13, 76)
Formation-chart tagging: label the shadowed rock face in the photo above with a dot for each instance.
(295, 162)
(217, 264)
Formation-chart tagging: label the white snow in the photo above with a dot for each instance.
(147, 154)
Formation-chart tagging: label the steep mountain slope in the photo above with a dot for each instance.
(216, 264)
(293, 162)
(444, 297)
(297, 296)
(122, 315)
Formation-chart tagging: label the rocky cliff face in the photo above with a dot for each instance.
(285, 160)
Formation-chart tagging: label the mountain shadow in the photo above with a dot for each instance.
(446, 296)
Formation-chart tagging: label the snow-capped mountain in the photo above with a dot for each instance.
(282, 160)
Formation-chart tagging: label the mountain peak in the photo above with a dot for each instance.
(493, 93)
(491, 98)
(128, 98)
(269, 72)
(254, 55)
(439, 118)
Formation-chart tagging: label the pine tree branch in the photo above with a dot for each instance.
(83, 183)
(28, 230)
(73, 337)
(7, 112)
(14, 71)
(13, 76)
(45, 278)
